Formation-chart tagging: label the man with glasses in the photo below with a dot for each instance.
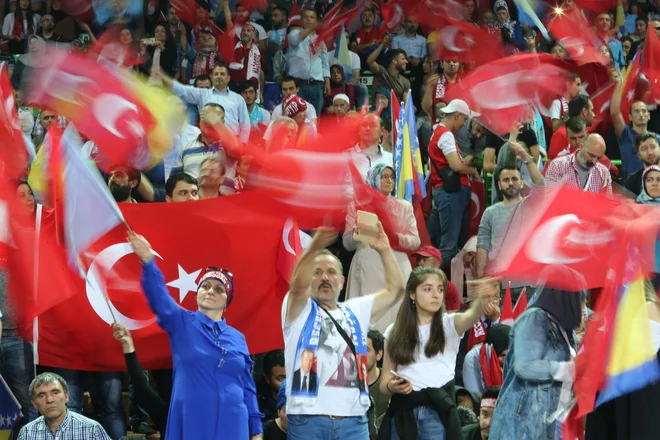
(48, 28)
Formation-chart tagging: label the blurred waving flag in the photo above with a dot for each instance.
(632, 363)
(407, 156)
(10, 410)
(528, 14)
(341, 50)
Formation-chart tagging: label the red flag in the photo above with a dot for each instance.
(227, 241)
(294, 15)
(573, 32)
(477, 205)
(466, 43)
(395, 107)
(289, 250)
(80, 9)
(502, 90)
(629, 91)
(560, 227)
(651, 64)
(13, 155)
(330, 27)
(393, 16)
(430, 12)
(96, 100)
(507, 317)
(521, 305)
(601, 101)
(186, 10)
(597, 6)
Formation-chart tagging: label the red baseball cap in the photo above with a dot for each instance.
(429, 251)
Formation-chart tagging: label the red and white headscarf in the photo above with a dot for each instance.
(224, 278)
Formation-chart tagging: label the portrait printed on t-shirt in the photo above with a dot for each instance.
(305, 378)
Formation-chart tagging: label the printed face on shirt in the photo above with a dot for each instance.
(327, 279)
(211, 295)
(183, 192)
(652, 183)
(249, 95)
(220, 77)
(430, 294)
(649, 152)
(306, 361)
(485, 418)
(50, 400)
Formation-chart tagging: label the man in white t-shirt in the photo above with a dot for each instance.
(311, 318)
(290, 87)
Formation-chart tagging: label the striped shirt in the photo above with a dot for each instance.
(73, 427)
(193, 154)
(564, 171)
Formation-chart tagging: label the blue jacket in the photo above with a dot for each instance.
(529, 394)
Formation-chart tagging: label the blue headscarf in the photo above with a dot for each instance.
(374, 174)
(281, 395)
(644, 197)
(386, 113)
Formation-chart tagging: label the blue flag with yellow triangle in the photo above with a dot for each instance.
(10, 410)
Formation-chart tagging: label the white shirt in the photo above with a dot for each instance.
(8, 24)
(311, 111)
(334, 398)
(437, 371)
(188, 134)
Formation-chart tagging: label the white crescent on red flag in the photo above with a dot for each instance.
(560, 227)
(465, 42)
(239, 234)
(572, 31)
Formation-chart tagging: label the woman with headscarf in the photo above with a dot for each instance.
(539, 367)
(366, 274)
(18, 26)
(338, 86)
(509, 29)
(633, 415)
(161, 55)
(483, 364)
(650, 194)
(34, 59)
(213, 394)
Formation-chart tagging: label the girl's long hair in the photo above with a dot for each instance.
(403, 344)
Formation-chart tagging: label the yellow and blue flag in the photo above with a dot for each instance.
(632, 362)
(10, 410)
(528, 14)
(342, 55)
(407, 156)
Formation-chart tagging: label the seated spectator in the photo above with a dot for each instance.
(340, 106)
(487, 405)
(48, 28)
(50, 394)
(181, 187)
(212, 173)
(648, 150)
(289, 86)
(352, 76)
(275, 429)
(366, 274)
(259, 117)
(296, 109)
(508, 28)
(482, 367)
(650, 194)
(270, 383)
(35, 58)
(206, 58)
(19, 25)
(338, 86)
(390, 76)
(282, 134)
(430, 256)
(365, 40)
(193, 154)
(411, 42)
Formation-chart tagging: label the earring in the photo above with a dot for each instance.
(413, 303)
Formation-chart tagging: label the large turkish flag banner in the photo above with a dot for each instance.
(233, 233)
(562, 227)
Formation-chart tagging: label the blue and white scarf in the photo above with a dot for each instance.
(309, 341)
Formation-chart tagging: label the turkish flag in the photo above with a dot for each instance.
(108, 48)
(334, 23)
(186, 10)
(597, 6)
(651, 64)
(430, 12)
(477, 205)
(289, 250)
(13, 154)
(502, 90)
(521, 305)
(506, 317)
(95, 99)
(633, 85)
(465, 42)
(560, 227)
(601, 101)
(79, 9)
(241, 234)
(573, 32)
(393, 16)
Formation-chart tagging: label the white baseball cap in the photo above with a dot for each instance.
(460, 106)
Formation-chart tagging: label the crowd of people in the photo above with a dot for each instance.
(385, 335)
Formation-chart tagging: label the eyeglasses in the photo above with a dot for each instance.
(217, 269)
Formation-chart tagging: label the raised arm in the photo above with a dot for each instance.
(350, 244)
(615, 106)
(299, 290)
(372, 65)
(394, 283)
(530, 163)
(427, 99)
(484, 290)
(168, 313)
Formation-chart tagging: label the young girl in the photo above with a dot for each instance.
(421, 348)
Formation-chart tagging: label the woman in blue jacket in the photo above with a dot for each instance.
(213, 394)
(538, 367)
